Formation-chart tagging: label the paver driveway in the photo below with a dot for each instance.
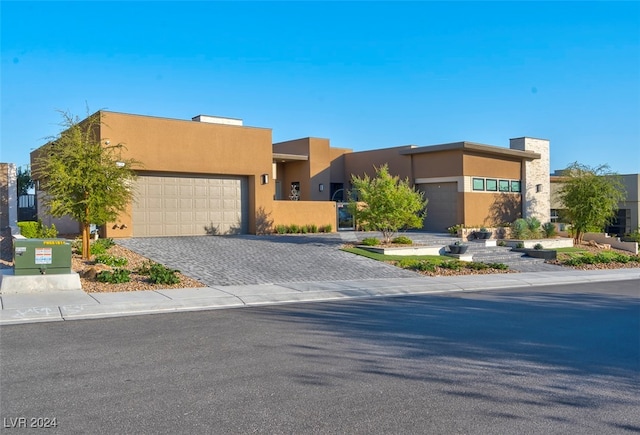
(248, 259)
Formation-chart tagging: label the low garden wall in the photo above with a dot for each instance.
(304, 213)
(561, 242)
(603, 238)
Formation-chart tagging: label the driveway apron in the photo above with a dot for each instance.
(248, 259)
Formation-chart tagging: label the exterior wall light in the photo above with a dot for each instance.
(264, 179)
(321, 187)
(538, 188)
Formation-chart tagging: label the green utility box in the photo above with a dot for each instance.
(41, 256)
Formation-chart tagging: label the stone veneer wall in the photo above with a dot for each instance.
(536, 187)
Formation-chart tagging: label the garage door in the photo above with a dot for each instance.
(442, 208)
(188, 206)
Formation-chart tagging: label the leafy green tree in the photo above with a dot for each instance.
(24, 181)
(387, 204)
(590, 196)
(82, 176)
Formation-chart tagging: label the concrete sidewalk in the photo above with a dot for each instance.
(75, 305)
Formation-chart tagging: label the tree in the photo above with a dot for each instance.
(82, 176)
(23, 180)
(387, 204)
(590, 196)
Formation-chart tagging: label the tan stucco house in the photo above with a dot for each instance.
(214, 172)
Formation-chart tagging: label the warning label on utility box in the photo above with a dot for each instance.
(43, 255)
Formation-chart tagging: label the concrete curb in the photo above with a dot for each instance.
(77, 305)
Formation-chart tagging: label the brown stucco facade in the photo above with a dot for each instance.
(190, 168)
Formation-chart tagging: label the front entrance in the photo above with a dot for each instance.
(345, 218)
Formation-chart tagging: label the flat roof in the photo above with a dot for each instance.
(283, 157)
(472, 146)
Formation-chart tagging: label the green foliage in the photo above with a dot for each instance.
(116, 276)
(294, 229)
(499, 266)
(159, 274)
(326, 229)
(600, 258)
(519, 245)
(111, 260)
(281, 229)
(100, 246)
(144, 268)
(538, 246)
(519, 229)
(502, 243)
(634, 236)
(525, 229)
(313, 228)
(387, 204)
(453, 230)
(451, 265)
(82, 176)
(36, 230)
(419, 265)
(304, 229)
(590, 196)
(370, 241)
(23, 180)
(473, 265)
(402, 240)
(549, 230)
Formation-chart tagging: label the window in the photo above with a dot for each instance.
(515, 186)
(478, 184)
(503, 185)
(492, 185)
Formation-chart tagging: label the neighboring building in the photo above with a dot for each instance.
(8, 196)
(627, 215)
(216, 173)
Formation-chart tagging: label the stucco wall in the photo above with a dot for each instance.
(304, 213)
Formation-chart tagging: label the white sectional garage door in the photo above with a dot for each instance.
(442, 207)
(188, 206)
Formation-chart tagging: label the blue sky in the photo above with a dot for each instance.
(363, 74)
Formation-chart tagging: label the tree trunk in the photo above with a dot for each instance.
(86, 236)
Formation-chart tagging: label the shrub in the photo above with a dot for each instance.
(519, 229)
(402, 240)
(519, 245)
(327, 228)
(116, 276)
(313, 228)
(144, 268)
(420, 265)
(499, 266)
(476, 266)
(159, 274)
(294, 229)
(451, 265)
(100, 246)
(281, 229)
(111, 260)
(538, 246)
(36, 230)
(549, 230)
(502, 243)
(634, 235)
(453, 230)
(304, 229)
(533, 224)
(573, 261)
(370, 241)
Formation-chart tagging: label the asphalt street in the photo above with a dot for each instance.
(561, 359)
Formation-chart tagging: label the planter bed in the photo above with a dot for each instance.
(547, 254)
(404, 250)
